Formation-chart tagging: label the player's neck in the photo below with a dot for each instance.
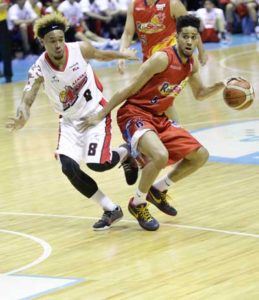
(183, 58)
(59, 63)
(151, 2)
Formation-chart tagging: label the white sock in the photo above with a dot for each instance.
(139, 197)
(123, 152)
(104, 201)
(163, 184)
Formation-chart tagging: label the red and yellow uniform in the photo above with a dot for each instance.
(154, 25)
(145, 110)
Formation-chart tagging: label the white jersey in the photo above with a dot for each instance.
(73, 92)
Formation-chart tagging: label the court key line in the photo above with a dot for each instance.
(46, 251)
(197, 228)
(223, 62)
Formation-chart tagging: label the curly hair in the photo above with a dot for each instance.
(186, 21)
(48, 23)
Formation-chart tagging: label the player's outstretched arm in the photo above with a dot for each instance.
(29, 95)
(89, 52)
(157, 63)
(199, 90)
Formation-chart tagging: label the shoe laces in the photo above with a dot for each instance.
(126, 165)
(144, 213)
(164, 198)
(106, 215)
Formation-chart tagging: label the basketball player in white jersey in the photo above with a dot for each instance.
(75, 92)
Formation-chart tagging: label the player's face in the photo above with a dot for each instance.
(187, 40)
(54, 43)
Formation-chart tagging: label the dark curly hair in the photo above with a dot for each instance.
(186, 21)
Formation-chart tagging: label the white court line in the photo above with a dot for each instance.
(223, 62)
(197, 228)
(46, 251)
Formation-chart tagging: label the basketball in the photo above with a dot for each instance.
(238, 93)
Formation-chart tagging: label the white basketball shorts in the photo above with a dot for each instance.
(90, 146)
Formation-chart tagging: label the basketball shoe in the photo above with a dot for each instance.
(130, 167)
(108, 218)
(142, 214)
(159, 199)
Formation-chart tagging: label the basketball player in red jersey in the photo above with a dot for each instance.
(155, 24)
(145, 126)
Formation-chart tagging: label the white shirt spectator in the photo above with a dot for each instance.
(210, 18)
(124, 4)
(71, 11)
(16, 13)
(85, 6)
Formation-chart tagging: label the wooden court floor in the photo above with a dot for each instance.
(210, 251)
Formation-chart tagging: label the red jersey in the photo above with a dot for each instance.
(159, 93)
(154, 25)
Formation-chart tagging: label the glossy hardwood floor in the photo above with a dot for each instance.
(209, 251)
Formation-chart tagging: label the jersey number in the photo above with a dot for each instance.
(92, 149)
(88, 95)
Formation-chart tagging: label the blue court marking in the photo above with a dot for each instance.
(73, 282)
(21, 66)
(245, 140)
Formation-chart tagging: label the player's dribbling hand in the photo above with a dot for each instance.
(17, 122)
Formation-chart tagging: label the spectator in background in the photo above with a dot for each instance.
(102, 16)
(53, 8)
(242, 8)
(37, 6)
(21, 18)
(117, 9)
(92, 14)
(78, 29)
(5, 42)
(212, 22)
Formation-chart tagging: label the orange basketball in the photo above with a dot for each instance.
(238, 94)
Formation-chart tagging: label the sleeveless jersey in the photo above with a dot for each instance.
(73, 92)
(158, 94)
(154, 25)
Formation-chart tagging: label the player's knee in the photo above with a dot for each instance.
(69, 166)
(201, 156)
(160, 158)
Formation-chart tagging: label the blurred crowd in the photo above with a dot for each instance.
(102, 22)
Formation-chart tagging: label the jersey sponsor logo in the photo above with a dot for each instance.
(167, 89)
(69, 94)
(74, 67)
(155, 24)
